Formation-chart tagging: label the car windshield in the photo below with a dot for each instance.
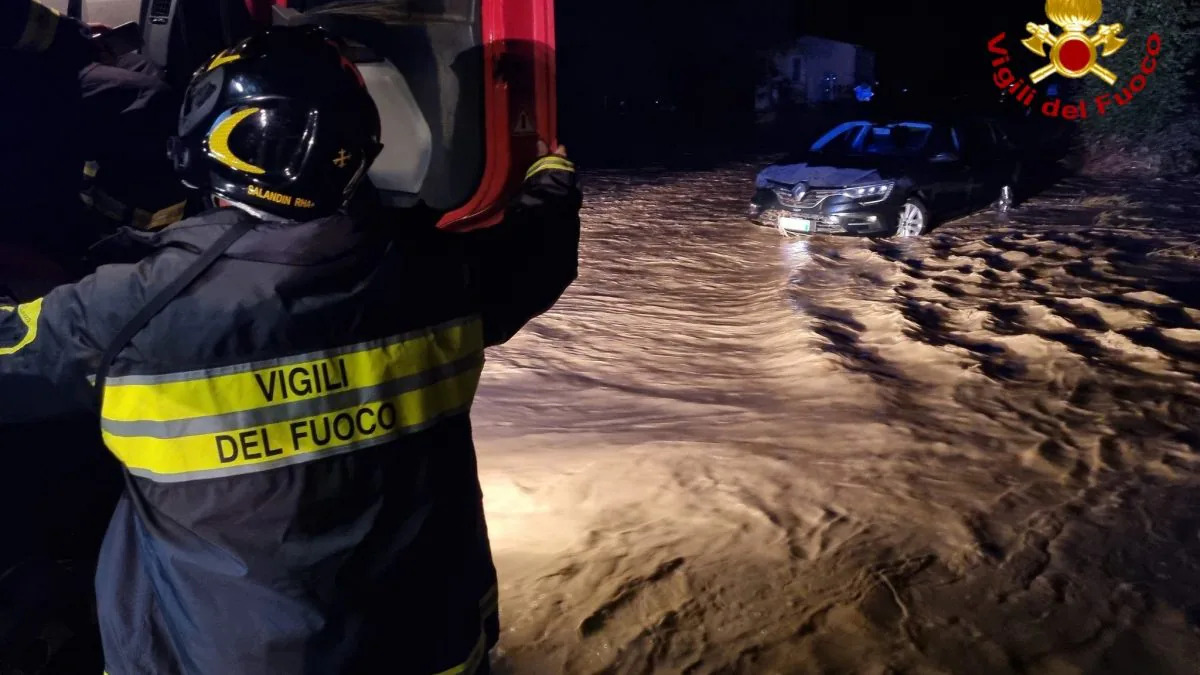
(903, 139)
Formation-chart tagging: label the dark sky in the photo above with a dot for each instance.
(636, 45)
(926, 40)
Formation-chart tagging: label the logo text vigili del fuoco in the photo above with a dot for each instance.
(1073, 52)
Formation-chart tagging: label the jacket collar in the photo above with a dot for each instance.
(290, 243)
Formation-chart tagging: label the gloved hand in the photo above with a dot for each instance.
(556, 165)
(544, 150)
(551, 183)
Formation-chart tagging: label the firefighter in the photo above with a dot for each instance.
(288, 390)
(48, 557)
(129, 112)
(85, 140)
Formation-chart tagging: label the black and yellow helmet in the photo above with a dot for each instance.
(282, 123)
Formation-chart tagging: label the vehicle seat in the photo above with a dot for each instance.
(440, 60)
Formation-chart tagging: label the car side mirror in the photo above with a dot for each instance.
(944, 157)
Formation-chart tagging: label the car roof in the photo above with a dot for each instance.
(931, 120)
(890, 121)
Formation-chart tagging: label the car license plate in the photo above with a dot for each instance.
(787, 224)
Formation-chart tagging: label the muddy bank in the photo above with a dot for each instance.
(726, 451)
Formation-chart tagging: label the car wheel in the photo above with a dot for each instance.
(913, 220)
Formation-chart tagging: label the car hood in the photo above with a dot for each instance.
(829, 173)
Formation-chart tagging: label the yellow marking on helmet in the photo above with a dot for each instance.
(218, 143)
(269, 195)
(223, 58)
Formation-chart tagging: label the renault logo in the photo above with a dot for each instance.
(799, 190)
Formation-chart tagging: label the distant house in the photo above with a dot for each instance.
(812, 70)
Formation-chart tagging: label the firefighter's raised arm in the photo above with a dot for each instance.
(527, 261)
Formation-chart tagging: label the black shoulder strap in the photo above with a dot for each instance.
(166, 295)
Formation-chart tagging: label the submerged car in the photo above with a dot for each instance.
(889, 178)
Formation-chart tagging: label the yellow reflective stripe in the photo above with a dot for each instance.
(105, 204)
(300, 378)
(489, 604)
(39, 28)
(472, 663)
(223, 58)
(548, 163)
(293, 441)
(270, 414)
(146, 220)
(166, 216)
(29, 314)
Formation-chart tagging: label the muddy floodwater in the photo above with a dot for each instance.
(976, 452)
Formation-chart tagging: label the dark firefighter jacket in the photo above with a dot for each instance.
(129, 112)
(76, 127)
(301, 493)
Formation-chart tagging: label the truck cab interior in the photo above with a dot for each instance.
(465, 87)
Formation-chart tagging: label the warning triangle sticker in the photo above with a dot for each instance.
(524, 125)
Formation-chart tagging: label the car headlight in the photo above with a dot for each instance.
(869, 194)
